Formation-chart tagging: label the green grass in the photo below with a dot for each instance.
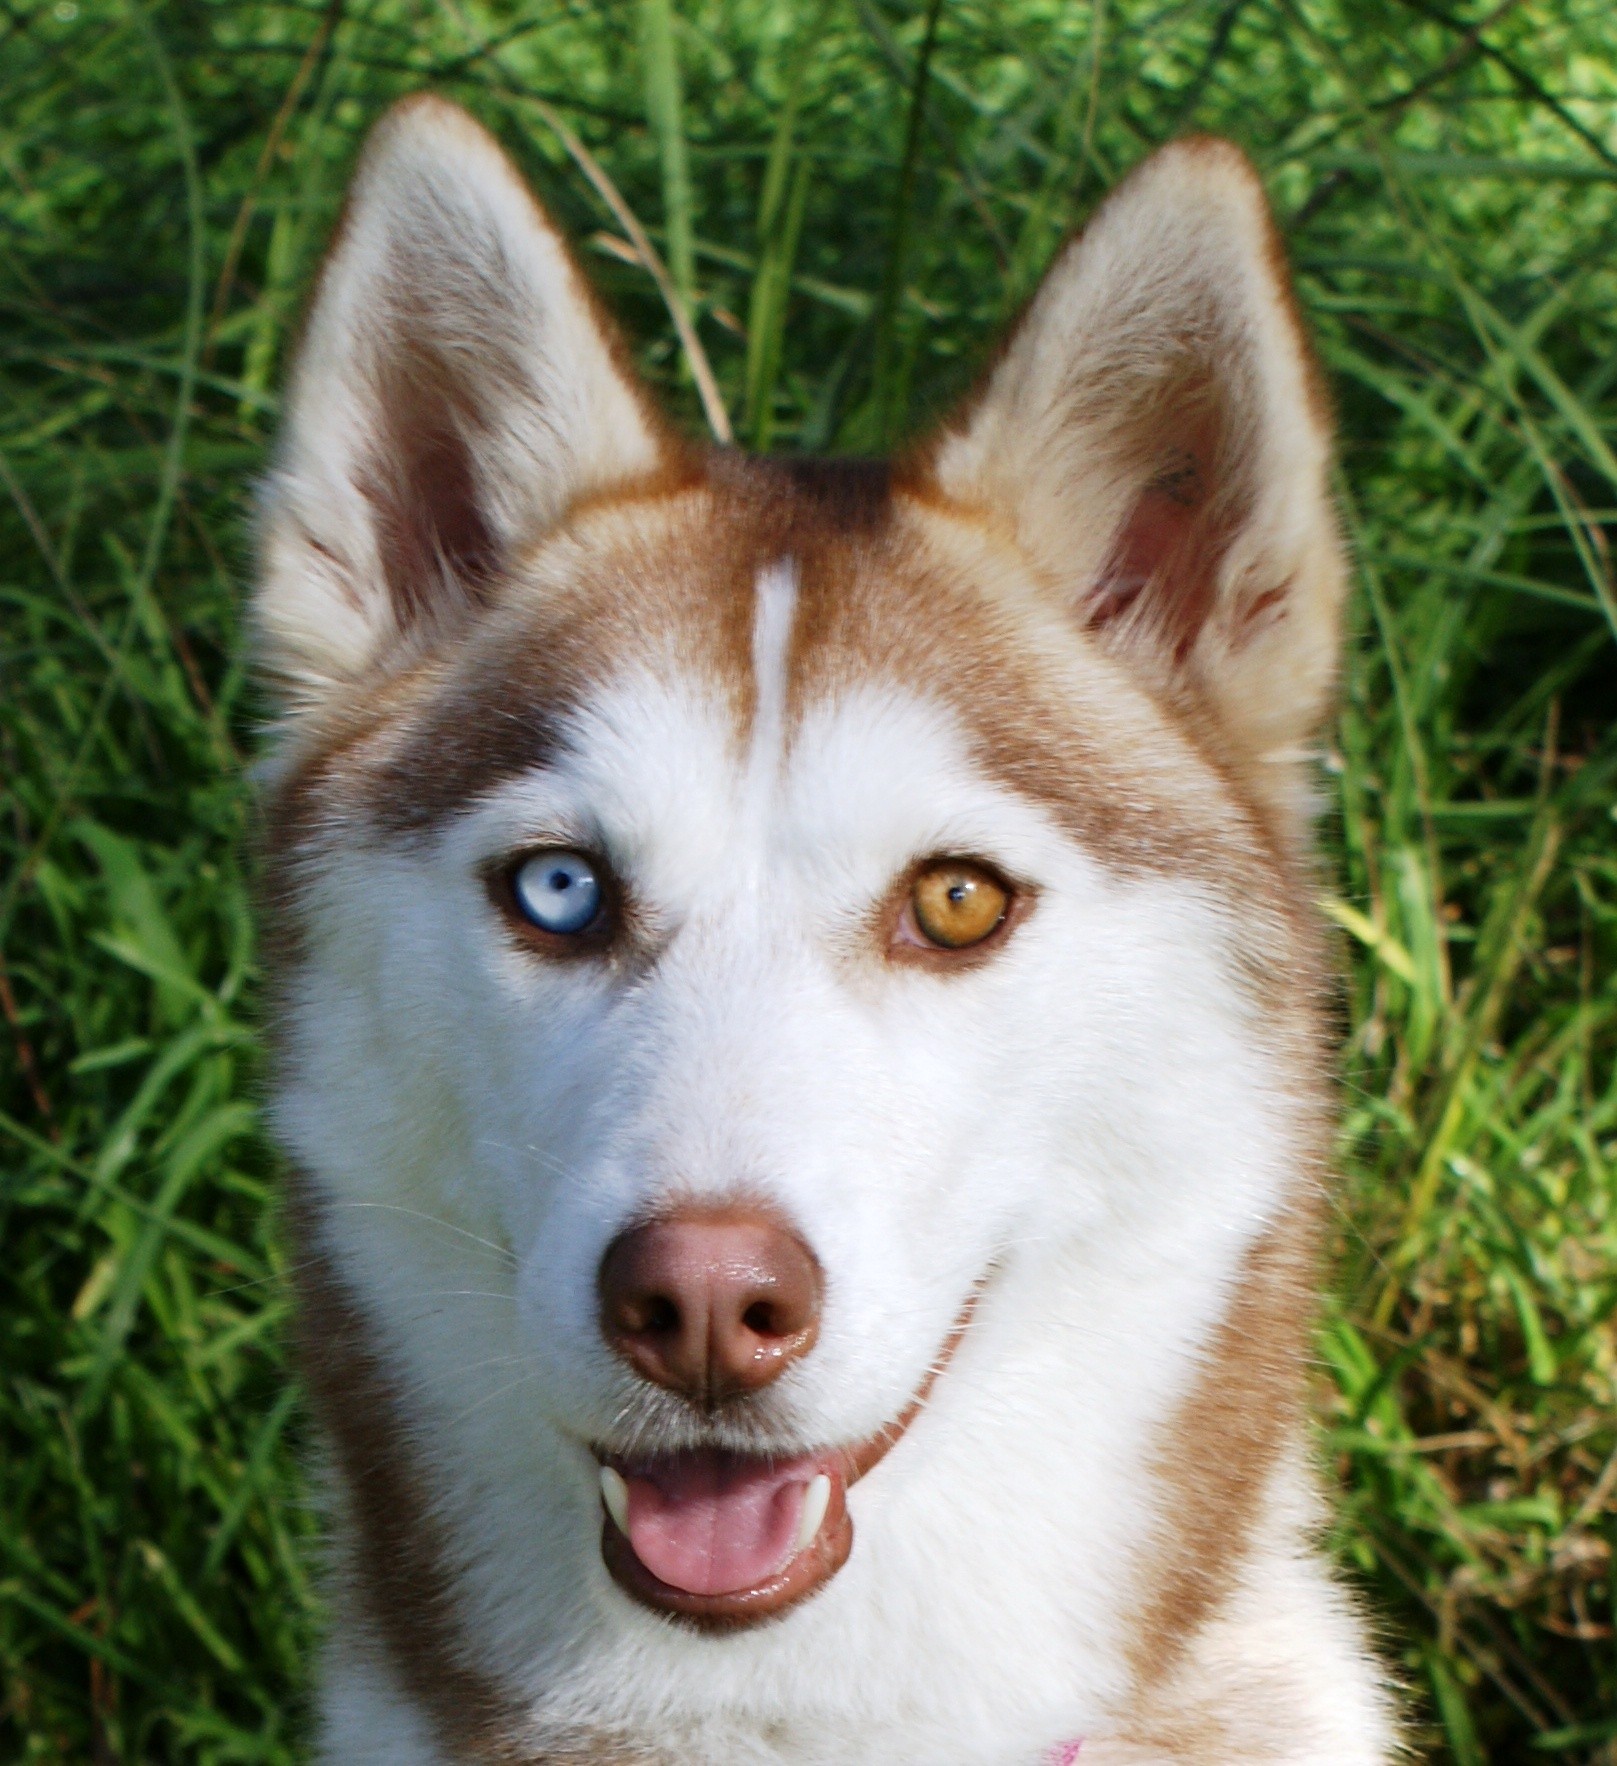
(851, 195)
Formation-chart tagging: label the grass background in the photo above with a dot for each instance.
(850, 195)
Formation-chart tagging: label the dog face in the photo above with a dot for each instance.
(786, 969)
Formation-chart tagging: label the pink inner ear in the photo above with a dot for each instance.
(1163, 566)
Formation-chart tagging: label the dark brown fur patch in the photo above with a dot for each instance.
(816, 498)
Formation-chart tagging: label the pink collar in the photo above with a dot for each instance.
(1063, 1753)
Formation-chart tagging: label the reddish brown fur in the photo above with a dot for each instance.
(1246, 1407)
(394, 1577)
(397, 1574)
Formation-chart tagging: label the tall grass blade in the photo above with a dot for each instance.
(888, 390)
(781, 205)
(665, 111)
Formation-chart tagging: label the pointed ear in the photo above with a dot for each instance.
(1157, 436)
(456, 389)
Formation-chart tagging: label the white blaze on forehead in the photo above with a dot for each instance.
(772, 618)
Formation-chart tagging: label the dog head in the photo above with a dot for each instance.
(771, 951)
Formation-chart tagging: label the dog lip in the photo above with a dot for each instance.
(807, 1571)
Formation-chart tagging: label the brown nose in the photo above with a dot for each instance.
(712, 1305)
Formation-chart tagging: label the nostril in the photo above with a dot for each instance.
(710, 1303)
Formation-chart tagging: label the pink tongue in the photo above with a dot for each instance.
(710, 1523)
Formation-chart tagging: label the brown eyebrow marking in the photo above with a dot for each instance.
(895, 585)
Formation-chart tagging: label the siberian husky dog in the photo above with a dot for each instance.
(800, 1021)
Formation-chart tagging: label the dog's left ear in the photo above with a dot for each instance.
(457, 388)
(1156, 435)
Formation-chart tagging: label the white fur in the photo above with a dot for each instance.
(773, 616)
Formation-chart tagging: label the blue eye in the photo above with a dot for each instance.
(558, 891)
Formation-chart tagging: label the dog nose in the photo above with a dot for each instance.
(711, 1305)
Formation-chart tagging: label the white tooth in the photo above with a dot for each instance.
(615, 1494)
(816, 1500)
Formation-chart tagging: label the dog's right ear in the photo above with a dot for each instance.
(456, 389)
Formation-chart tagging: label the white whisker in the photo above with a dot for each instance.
(447, 1226)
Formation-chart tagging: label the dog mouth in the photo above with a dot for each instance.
(725, 1539)
(722, 1539)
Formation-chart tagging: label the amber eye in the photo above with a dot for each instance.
(957, 904)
